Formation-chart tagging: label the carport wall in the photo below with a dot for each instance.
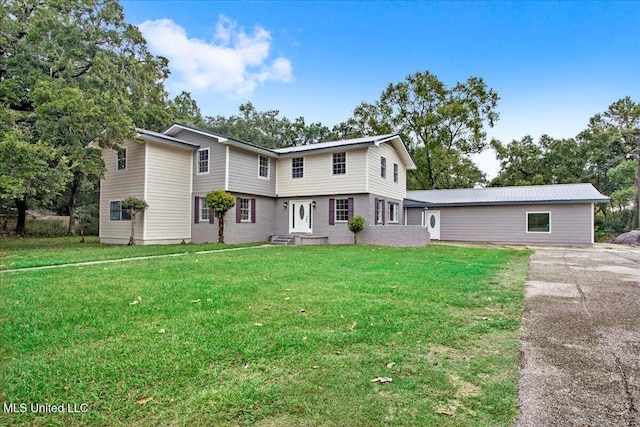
(571, 223)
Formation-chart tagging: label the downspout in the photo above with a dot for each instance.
(144, 191)
(226, 168)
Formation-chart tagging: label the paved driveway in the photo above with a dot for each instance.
(580, 361)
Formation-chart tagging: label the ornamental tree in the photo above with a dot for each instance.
(356, 225)
(133, 206)
(220, 201)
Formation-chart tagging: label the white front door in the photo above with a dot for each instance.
(432, 222)
(300, 216)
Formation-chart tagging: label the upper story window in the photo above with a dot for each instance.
(395, 172)
(383, 167)
(297, 167)
(122, 159)
(263, 167)
(116, 213)
(203, 160)
(339, 163)
(393, 212)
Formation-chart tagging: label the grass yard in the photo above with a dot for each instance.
(276, 336)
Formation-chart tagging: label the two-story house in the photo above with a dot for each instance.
(306, 192)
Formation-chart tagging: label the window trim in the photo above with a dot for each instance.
(301, 168)
(124, 215)
(246, 210)
(202, 206)
(345, 209)
(527, 222)
(383, 167)
(198, 161)
(121, 160)
(334, 164)
(396, 205)
(379, 212)
(268, 167)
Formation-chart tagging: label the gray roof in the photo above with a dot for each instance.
(159, 137)
(559, 193)
(331, 144)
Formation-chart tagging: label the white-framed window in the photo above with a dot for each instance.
(379, 211)
(203, 160)
(393, 212)
(122, 159)
(538, 222)
(204, 209)
(263, 167)
(116, 213)
(342, 210)
(383, 167)
(297, 167)
(395, 172)
(339, 164)
(245, 209)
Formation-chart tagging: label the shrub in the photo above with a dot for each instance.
(356, 225)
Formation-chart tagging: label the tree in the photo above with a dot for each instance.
(28, 171)
(133, 206)
(442, 126)
(267, 128)
(612, 138)
(220, 201)
(74, 75)
(356, 225)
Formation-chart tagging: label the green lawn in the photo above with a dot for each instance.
(279, 336)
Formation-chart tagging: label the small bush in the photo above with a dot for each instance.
(356, 225)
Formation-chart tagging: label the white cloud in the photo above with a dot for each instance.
(234, 63)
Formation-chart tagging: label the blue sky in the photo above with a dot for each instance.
(553, 64)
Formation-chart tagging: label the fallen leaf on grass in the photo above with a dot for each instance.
(390, 365)
(142, 400)
(135, 301)
(257, 324)
(195, 300)
(302, 310)
(352, 327)
(382, 380)
(162, 331)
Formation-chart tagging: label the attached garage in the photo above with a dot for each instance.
(544, 214)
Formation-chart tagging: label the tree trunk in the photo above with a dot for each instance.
(73, 203)
(21, 205)
(132, 238)
(220, 228)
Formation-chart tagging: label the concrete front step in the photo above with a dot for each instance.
(283, 240)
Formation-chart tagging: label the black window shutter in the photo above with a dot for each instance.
(253, 211)
(238, 212)
(375, 208)
(350, 206)
(196, 210)
(332, 211)
(383, 211)
(211, 216)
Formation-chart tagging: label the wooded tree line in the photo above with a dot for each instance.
(75, 77)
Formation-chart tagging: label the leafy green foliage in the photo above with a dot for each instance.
(356, 225)
(441, 125)
(220, 201)
(267, 128)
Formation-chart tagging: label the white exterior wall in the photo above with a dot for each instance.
(386, 186)
(118, 185)
(318, 175)
(168, 194)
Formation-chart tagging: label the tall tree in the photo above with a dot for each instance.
(441, 125)
(612, 138)
(74, 75)
(267, 128)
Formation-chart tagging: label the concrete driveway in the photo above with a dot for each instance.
(580, 361)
